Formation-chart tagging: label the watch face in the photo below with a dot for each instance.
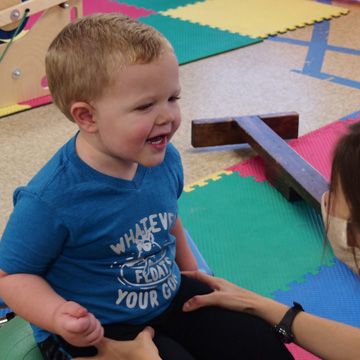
(283, 334)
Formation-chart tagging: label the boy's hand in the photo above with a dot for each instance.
(76, 325)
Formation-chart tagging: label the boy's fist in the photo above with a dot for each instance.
(76, 325)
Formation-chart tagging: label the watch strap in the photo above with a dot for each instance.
(283, 328)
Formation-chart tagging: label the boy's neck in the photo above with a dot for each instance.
(101, 162)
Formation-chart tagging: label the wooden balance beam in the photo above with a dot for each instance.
(285, 169)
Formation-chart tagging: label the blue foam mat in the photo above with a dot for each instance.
(353, 115)
(333, 293)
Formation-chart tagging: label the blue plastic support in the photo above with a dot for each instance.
(203, 266)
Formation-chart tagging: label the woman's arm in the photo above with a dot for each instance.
(184, 256)
(325, 338)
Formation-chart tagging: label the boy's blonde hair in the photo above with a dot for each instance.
(82, 59)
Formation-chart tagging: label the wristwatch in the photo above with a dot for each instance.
(283, 328)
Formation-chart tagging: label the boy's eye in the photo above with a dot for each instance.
(144, 107)
(174, 98)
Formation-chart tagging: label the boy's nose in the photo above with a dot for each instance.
(166, 115)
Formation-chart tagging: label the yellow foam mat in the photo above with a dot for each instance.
(203, 182)
(256, 18)
(13, 109)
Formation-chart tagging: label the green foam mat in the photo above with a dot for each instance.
(193, 41)
(249, 234)
(158, 5)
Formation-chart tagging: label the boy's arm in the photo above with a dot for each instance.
(184, 256)
(32, 298)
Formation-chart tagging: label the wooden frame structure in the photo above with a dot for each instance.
(23, 67)
(285, 169)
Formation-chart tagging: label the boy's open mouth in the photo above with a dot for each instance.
(156, 140)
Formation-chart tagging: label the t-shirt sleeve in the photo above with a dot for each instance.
(33, 237)
(175, 164)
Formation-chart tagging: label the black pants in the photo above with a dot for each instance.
(205, 334)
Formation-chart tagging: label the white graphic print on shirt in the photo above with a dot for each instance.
(146, 276)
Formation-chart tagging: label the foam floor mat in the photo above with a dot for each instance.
(248, 233)
(106, 6)
(300, 353)
(159, 5)
(193, 41)
(333, 293)
(256, 18)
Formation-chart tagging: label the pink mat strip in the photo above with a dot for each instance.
(106, 6)
(37, 101)
(315, 147)
(301, 354)
(102, 6)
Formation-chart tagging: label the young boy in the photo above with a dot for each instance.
(94, 245)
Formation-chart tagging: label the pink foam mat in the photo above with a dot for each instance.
(37, 101)
(101, 6)
(301, 354)
(315, 147)
(106, 6)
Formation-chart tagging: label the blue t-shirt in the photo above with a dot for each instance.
(101, 241)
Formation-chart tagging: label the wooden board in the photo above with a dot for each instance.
(225, 131)
(286, 170)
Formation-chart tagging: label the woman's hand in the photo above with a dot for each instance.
(141, 348)
(225, 294)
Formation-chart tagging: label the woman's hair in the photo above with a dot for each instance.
(345, 172)
(83, 58)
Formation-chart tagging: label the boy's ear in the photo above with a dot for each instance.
(83, 115)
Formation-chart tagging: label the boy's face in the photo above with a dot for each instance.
(138, 115)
